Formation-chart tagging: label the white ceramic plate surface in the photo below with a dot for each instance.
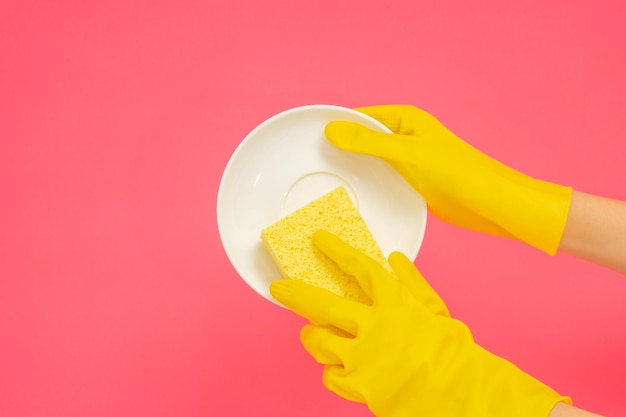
(285, 163)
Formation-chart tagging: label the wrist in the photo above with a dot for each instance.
(566, 410)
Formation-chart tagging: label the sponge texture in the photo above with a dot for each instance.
(289, 241)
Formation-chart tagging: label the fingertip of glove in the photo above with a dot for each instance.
(321, 236)
(399, 259)
(280, 289)
(398, 256)
(331, 245)
(291, 292)
(338, 132)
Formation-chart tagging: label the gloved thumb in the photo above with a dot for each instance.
(354, 137)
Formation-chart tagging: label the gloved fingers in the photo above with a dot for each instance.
(402, 119)
(317, 304)
(390, 116)
(354, 137)
(334, 379)
(322, 344)
(372, 277)
(410, 276)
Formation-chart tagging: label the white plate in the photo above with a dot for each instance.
(285, 163)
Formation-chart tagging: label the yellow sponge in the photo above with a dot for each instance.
(289, 241)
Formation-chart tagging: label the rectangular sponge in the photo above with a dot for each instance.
(289, 242)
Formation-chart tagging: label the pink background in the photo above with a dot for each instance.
(116, 121)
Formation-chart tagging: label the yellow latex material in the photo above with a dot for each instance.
(408, 357)
(460, 184)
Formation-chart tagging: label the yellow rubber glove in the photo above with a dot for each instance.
(460, 184)
(408, 357)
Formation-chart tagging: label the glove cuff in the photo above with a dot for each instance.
(530, 210)
(548, 207)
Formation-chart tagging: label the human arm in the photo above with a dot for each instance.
(596, 231)
(465, 187)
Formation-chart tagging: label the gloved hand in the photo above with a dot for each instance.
(460, 184)
(407, 357)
